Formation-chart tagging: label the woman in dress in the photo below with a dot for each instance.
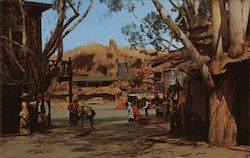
(24, 115)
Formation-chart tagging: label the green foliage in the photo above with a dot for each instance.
(119, 5)
(149, 32)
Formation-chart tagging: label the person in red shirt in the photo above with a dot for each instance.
(136, 111)
(73, 112)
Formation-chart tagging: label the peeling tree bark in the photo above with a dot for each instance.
(23, 17)
(245, 16)
(196, 6)
(12, 57)
(217, 38)
(223, 127)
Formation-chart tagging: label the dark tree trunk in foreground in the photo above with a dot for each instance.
(223, 127)
(223, 130)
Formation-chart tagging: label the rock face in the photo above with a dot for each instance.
(98, 60)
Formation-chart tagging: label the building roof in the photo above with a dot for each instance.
(39, 6)
(34, 6)
(92, 79)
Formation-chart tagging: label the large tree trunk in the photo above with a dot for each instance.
(223, 127)
(245, 15)
(24, 30)
(235, 28)
(216, 13)
(220, 27)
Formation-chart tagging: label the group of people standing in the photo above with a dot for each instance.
(133, 111)
(133, 108)
(80, 113)
(41, 109)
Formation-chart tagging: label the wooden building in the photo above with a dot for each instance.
(89, 81)
(11, 83)
(96, 87)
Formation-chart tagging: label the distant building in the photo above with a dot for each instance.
(124, 68)
(91, 81)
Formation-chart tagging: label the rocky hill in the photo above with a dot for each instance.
(95, 59)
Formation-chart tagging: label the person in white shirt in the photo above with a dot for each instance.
(130, 112)
(146, 107)
(43, 113)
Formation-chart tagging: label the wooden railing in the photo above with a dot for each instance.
(64, 73)
(64, 68)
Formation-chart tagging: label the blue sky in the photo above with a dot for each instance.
(96, 27)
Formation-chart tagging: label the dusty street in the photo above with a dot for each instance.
(113, 137)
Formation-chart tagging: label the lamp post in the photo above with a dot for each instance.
(173, 81)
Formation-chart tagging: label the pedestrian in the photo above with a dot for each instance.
(87, 113)
(130, 112)
(43, 113)
(137, 114)
(33, 112)
(146, 107)
(24, 115)
(73, 112)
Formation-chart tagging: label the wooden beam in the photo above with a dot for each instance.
(70, 80)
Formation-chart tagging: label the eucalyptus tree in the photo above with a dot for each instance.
(35, 65)
(217, 29)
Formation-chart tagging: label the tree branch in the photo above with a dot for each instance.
(219, 62)
(187, 12)
(23, 46)
(57, 32)
(187, 65)
(157, 34)
(175, 6)
(177, 54)
(37, 62)
(73, 17)
(192, 51)
(76, 14)
(60, 53)
(23, 17)
(13, 58)
(79, 20)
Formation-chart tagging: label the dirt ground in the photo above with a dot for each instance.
(113, 136)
